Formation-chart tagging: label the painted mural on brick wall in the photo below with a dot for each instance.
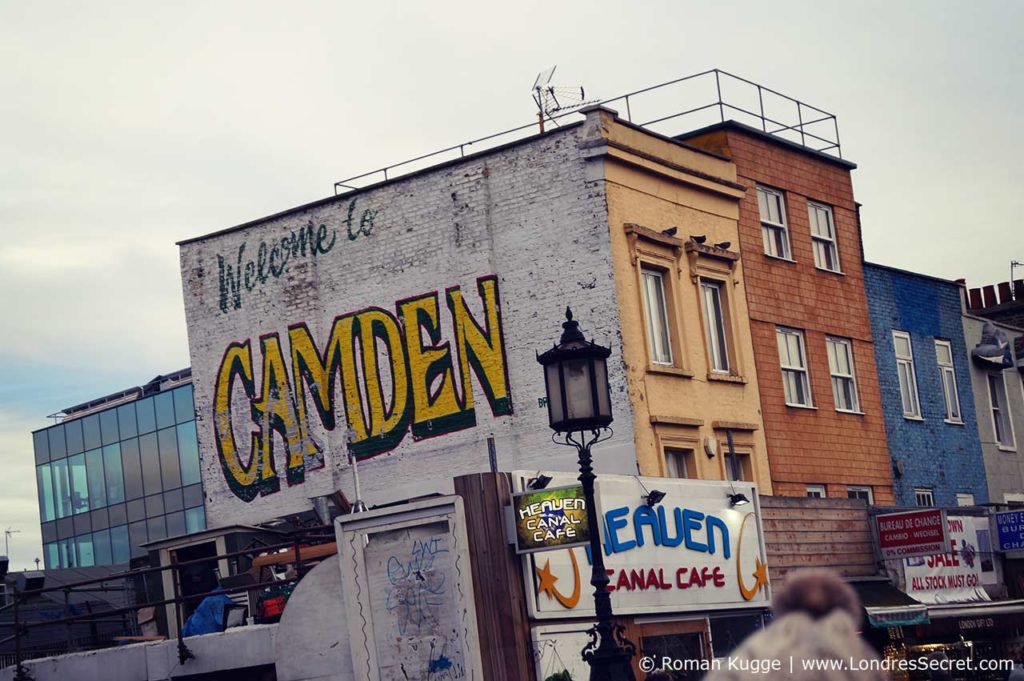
(251, 268)
(381, 374)
(396, 328)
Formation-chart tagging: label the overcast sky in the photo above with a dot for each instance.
(128, 126)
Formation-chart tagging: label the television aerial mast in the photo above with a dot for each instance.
(551, 99)
(7, 540)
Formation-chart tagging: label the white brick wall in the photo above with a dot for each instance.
(527, 214)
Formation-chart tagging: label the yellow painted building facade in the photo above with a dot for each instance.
(673, 216)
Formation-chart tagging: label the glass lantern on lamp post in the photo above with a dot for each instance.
(579, 412)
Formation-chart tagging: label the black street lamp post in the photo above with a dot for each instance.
(579, 412)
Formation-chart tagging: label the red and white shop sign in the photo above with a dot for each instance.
(912, 533)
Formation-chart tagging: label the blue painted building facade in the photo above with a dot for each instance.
(932, 432)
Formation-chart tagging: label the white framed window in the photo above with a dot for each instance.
(963, 499)
(944, 358)
(1001, 423)
(907, 376)
(659, 334)
(679, 463)
(714, 321)
(793, 360)
(823, 237)
(816, 491)
(844, 381)
(923, 496)
(856, 492)
(772, 207)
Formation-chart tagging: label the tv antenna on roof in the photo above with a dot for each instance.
(551, 99)
(7, 540)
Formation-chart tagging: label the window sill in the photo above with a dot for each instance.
(953, 423)
(1004, 448)
(850, 411)
(825, 269)
(913, 418)
(802, 406)
(726, 378)
(670, 370)
(777, 257)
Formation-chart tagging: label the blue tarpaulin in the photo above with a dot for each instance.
(208, 617)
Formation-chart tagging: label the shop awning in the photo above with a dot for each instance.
(976, 609)
(887, 606)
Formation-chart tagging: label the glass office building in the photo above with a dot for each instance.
(119, 472)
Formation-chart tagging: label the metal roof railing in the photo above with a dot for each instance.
(290, 552)
(688, 103)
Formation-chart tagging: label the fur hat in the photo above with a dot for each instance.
(816, 619)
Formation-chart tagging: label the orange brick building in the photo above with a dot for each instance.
(802, 260)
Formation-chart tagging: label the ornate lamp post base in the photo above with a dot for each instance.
(609, 662)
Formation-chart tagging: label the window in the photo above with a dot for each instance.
(823, 237)
(170, 465)
(61, 488)
(965, 500)
(1000, 411)
(793, 360)
(79, 484)
(840, 365)
(773, 223)
(44, 479)
(51, 556)
(195, 519)
(188, 450)
(714, 319)
(119, 544)
(944, 358)
(184, 409)
(101, 547)
(923, 496)
(150, 457)
(86, 555)
(737, 467)
(656, 309)
(854, 492)
(679, 463)
(727, 633)
(907, 377)
(97, 485)
(816, 491)
(41, 446)
(113, 479)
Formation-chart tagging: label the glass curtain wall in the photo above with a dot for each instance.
(114, 480)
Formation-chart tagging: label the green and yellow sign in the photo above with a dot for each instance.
(550, 519)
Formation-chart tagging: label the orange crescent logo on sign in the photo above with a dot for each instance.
(547, 582)
(760, 569)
